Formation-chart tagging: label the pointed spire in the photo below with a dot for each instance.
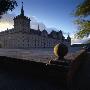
(68, 37)
(38, 27)
(68, 34)
(22, 11)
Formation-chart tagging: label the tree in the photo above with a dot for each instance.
(83, 13)
(6, 5)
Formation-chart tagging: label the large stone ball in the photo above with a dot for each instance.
(60, 50)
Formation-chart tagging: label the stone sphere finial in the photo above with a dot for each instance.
(60, 50)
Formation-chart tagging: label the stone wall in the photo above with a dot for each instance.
(20, 40)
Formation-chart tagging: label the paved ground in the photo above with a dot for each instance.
(39, 55)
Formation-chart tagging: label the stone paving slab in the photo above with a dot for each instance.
(39, 55)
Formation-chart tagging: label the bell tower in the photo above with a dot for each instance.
(21, 22)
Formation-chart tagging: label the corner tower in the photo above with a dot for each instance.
(21, 22)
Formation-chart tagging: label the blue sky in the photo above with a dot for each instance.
(52, 13)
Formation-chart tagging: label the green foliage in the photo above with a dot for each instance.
(6, 5)
(83, 28)
(82, 11)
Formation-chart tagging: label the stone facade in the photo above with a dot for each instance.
(22, 36)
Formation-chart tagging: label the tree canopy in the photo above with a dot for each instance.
(6, 5)
(83, 21)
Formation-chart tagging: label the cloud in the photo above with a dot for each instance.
(6, 21)
(76, 41)
(79, 41)
(35, 23)
(7, 18)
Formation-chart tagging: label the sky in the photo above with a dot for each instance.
(49, 14)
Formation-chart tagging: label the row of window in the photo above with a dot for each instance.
(28, 45)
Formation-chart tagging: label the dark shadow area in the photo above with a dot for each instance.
(17, 74)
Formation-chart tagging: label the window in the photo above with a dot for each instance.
(23, 40)
(27, 40)
(22, 36)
